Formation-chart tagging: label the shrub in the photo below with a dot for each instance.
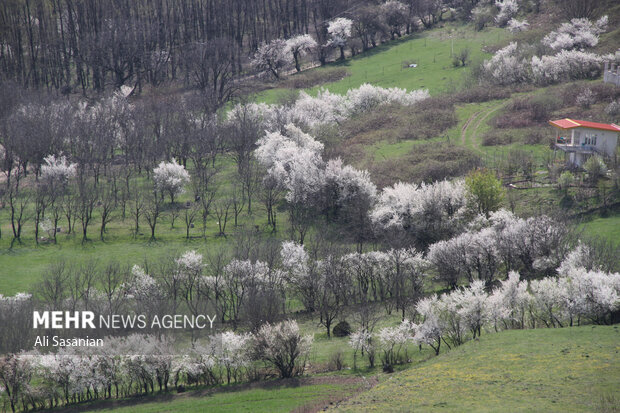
(485, 191)
(342, 329)
(535, 137)
(311, 78)
(507, 10)
(282, 346)
(613, 109)
(461, 58)
(496, 138)
(482, 94)
(585, 99)
(516, 26)
(578, 34)
(595, 167)
(482, 16)
(427, 162)
(565, 65)
(506, 67)
(336, 361)
(565, 180)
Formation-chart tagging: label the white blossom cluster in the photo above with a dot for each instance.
(57, 169)
(272, 57)
(516, 26)
(503, 241)
(339, 31)
(294, 160)
(137, 363)
(409, 207)
(566, 65)
(300, 44)
(577, 34)
(507, 10)
(506, 67)
(576, 295)
(326, 107)
(170, 177)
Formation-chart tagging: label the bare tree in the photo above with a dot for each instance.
(152, 210)
(222, 210)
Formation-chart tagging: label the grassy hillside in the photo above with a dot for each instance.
(270, 397)
(560, 370)
(388, 64)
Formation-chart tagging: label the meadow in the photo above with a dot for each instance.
(574, 369)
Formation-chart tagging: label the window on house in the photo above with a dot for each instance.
(594, 141)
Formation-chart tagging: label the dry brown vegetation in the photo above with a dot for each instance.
(426, 162)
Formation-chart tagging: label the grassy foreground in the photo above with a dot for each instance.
(561, 370)
(291, 395)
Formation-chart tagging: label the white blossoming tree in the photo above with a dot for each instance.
(577, 34)
(298, 46)
(170, 177)
(283, 347)
(272, 58)
(339, 31)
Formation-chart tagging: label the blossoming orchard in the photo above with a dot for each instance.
(309, 205)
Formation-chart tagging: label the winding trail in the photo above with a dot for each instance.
(472, 125)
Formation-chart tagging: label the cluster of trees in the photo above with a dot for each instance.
(561, 57)
(80, 46)
(142, 364)
(79, 163)
(578, 295)
(86, 45)
(584, 290)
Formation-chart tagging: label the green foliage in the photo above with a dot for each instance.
(485, 191)
(342, 329)
(595, 167)
(565, 180)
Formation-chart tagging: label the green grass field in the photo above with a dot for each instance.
(387, 65)
(273, 397)
(544, 370)
(607, 227)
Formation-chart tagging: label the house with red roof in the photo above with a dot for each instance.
(580, 139)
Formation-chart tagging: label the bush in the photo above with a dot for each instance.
(482, 94)
(585, 99)
(497, 138)
(426, 162)
(342, 329)
(528, 111)
(311, 78)
(282, 346)
(565, 180)
(461, 58)
(595, 167)
(336, 362)
(613, 109)
(485, 191)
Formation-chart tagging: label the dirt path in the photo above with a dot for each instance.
(466, 125)
(476, 142)
(472, 125)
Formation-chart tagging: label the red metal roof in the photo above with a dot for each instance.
(573, 123)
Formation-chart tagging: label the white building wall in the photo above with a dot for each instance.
(606, 141)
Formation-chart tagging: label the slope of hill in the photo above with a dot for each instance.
(568, 370)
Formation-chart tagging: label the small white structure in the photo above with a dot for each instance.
(580, 139)
(611, 72)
